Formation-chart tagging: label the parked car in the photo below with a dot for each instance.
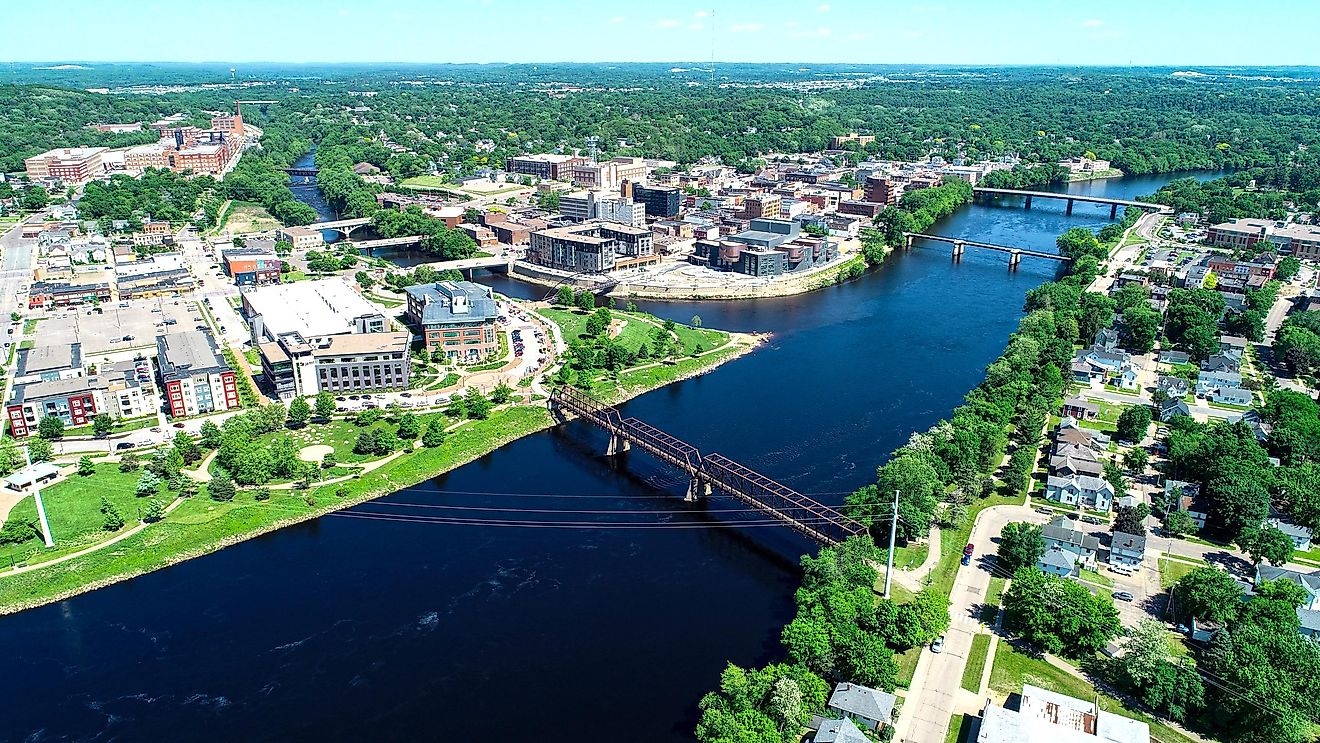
(938, 645)
(1123, 595)
(1092, 520)
(1044, 510)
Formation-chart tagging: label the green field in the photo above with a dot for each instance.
(1172, 570)
(975, 668)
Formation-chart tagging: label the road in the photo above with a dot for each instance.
(16, 262)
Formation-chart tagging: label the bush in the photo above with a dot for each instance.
(129, 462)
(221, 489)
(17, 532)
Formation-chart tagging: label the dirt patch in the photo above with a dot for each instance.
(314, 453)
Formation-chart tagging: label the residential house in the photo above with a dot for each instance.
(1226, 361)
(1170, 356)
(1127, 549)
(1233, 396)
(1063, 533)
(1049, 717)
(1081, 409)
(1058, 562)
(1064, 466)
(1234, 343)
(1071, 433)
(1309, 612)
(1172, 408)
(868, 708)
(1300, 535)
(1258, 426)
(839, 731)
(1100, 364)
(1173, 386)
(1081, 490)
(1208, 382)
(1107, 338)
(1186, 497)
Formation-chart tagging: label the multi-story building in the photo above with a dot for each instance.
(592, 247)
(152, 233)
(545, 166)
(311, 309)
(620, 211)
(120, 390)
(251, 266)
(1262, 267)
(301, 238)
(870, 209)
(578, 206)
(65, 294)
(762, 205)
(882, 190)
(1300, 240)
(862, 140)
(48, 362)
(194, 375)
(660, 201)
(71, 165)
(455, 317)
(340, 363)
(769, 247)
(230, 124)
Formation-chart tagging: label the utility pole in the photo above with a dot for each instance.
(41, 507)
(893, 534)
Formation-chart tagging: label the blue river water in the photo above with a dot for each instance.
(347, 628)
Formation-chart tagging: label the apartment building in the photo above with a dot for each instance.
(592, 247)
(251, 266)
(72, 165)
(882, 190)
(194, 375)
(1300, 240)
(762, 205)
(544, 166)
(340, 363)
(455, 317)
(121, 390)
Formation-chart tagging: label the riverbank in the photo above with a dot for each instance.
(198, 526)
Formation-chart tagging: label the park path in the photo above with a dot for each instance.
(88, 550)
(914, 579)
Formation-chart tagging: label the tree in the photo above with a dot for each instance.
(1020, 545)
(501, 394)
(1127, 520)
(364, 280)
(1147, 669)
(187, 447)
(785, 704)
(1179, 523)
(1115, 476)
(435, 433)
(1207, 593)
(409, 427)
(221, 488)
(1287, 268)
(564, 296)
(1239, 500)
(325, 405)
(102, 424)
(41, 450)
(1059, 615)
(154, 512)
(113, 521)
(299, 412)
(1133, 422)
(147, 485)
(478, 407)
(85, 466)
(1267, 543)
(51, 428)
(210, 434)
(128, 462)
(10, 459)
(586, 300)
(1139, 326)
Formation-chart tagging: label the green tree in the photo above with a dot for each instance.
(1267, 543)
(325, 405)
(210, 435)
(1179, 523)
(187, 448)
(435, 433)
(41, 450)
(1138, 329)
(1059, 615)
(564, 296)
(1135, 460)
(113, 520)
(409, 427)
(154, 511)
(1287, 268)
(1207, 593)
(1133, 422)
(147, 485)
(102, 424)
(221, 488)
(10, 458)
(586, 300)
(51, 428)
(1020, 545)
(476, 404)
(85, 466)
(501, 394)
(128, 462)
(299, 412)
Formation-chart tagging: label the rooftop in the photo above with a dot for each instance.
(309, 308)
(454, 301)
(863, 701)
(187, 353)
(49, 357)
(1049, 717)
(358, 343)
(54, 388)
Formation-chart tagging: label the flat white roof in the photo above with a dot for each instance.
(1049, 717)
(310, 308)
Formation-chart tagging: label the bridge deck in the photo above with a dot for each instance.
(806, 516)
(339, 223)
(1068, 197)
(990, 246)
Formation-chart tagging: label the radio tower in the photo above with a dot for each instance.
(591, 147)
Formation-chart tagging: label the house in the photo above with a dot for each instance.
(1049, 717)
(1300, 535)
(1170, 356)
(1233, 396)
(1107, 338)
(1112, 360)
(1080, 409)
(839, 731)
(1127, 549)
(1063, 533)
(1173, 407)
(867, 707)
(1058, 562)
(1186, 497)
(1309, 612)
(1076, 452)
(1127, 379)
(1207, 382)
(1233, 343)
(1173, 386)
(1064, 466)
(31, 476)
(1081, 490)
(1223, 362)
(1258, 426)
(1071, 433)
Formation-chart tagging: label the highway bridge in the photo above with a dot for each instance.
(960, 245)
(1113, 203)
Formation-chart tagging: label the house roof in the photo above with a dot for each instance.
(1129, 542)
(863, 701)
(1076, 465)
(1081, 404)
(1167, 381)
(1309, 581)
(30, 474)
(1056, 557)
(475, 302)
(839, 731)
(1075, 451)
(1174, 406)
(1296, 531)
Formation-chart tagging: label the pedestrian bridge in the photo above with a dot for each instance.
(813, 520)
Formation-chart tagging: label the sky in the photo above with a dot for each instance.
(1098, 32)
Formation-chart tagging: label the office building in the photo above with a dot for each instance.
(769, 247)
(311, 309)
(301, 238)
(455, 317)
(546, 166)
(861, 140)
(659, 201)
(72, 165)
(194, 375)
(1299, 240)
(882, 190)
(352, 362)
(592, 247)
(762, 206)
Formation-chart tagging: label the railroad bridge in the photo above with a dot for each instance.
(813, 520)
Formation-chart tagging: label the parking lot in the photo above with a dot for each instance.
(114, 327)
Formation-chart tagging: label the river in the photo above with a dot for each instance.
(345, 628)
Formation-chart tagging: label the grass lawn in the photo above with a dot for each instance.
(952, 542)
(1012, 668)
(960, 729)
(292, 276)
(1172, 570)
(976, 657)
(199, 524)
(30, 325)
(907, 665)
(994, 594)
(127, 424)
(73, 508)
(1094, 577)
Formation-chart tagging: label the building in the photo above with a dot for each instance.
(1080, 409)
(620, 211)
(456, 317)
(1081, 490)
(762, 206)
(868, 209)
(230, 124)
(769, 247)
(117, 128)
(32, 476)
(194, 375)
(48, 362)
(861, 140)
(1172, 386)
(1084, 165)
(153, 233)
(351, 362)
(1058, 563)
(592, 247)
(1300, 535)
(301, 238)
(65, 294)
(1127, 549)
(842, 730)
(882, 190)
(1208, 383)
(1049, 717)
(868, 708)
(251, 266)
(72, 165)
(1300, 240)
(1172, 408)
(75, 401)
(311, 309)
(659, 201)
(545, 167)
(1064, 534)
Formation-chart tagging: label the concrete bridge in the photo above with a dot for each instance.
(1113, 203)
(813, 520)
(343, 226)
(960, 245)
(306, 172)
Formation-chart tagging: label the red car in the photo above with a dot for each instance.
(968, 549)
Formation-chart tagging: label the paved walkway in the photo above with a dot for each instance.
(915, 579)
(88, 550)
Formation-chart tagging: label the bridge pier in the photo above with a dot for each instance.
(1070, 206)
(958, 247)
(1113, 211)
(618, 445)
(1028, 204)
(697, 489)
(1014, 258)
(907, 242)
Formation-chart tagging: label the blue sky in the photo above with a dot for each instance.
(1141, 32)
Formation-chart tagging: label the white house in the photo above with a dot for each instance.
(1081, 490)
(1127, 549)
